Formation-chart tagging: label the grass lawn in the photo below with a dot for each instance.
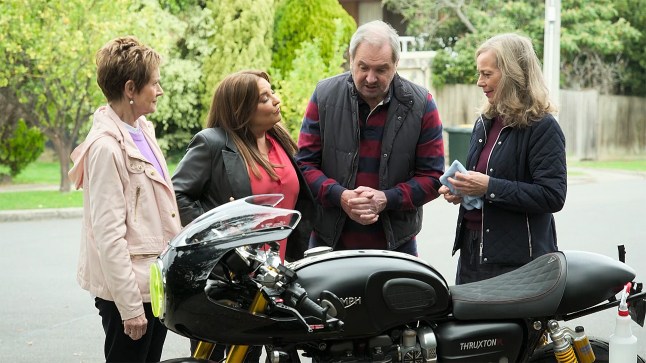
(40, 199)
(628, 165)
(48, 173)
(43, 173)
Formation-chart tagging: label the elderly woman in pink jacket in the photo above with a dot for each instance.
(129, 205)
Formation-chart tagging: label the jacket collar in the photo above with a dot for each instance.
(106, 123)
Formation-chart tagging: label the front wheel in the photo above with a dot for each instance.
(600, 347)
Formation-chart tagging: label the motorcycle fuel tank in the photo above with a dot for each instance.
(379, 289)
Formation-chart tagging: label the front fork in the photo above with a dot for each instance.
(236, 353)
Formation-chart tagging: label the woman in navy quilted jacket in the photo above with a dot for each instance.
(516, 165)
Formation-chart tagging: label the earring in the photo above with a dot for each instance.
(132, 102)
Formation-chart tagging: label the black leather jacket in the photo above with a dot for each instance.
(212, 172)
(528, 182)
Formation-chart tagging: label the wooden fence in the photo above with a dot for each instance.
(596, 127)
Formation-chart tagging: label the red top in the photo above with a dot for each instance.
(287, 183)
(473, 217)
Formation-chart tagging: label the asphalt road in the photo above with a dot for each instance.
(46, 317)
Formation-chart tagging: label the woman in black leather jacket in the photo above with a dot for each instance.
(244, 150)
(516, 164)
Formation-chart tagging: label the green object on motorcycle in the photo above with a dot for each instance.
(156, 290)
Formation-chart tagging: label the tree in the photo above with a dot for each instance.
(180, 111)
(308, 67)
(633, 79)
(241, 39)
(48, 50)
(427, 17)
(457, 43)
(596, 41)
(299, 21)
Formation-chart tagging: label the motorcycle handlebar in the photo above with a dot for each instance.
(307, 306)
(300, 301)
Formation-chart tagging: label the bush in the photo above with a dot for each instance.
(308, 67)
(20, 146)
(299, 21)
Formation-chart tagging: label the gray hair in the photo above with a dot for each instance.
(376, 33)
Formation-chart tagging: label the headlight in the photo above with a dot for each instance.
(157, 298)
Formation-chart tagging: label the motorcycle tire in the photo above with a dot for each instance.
(187, 360)
(600, 347)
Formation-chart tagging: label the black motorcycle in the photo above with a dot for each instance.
(221, 281)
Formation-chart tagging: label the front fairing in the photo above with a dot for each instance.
(191, 256)
(250, 220)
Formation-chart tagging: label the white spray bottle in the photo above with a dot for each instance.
(623, 344)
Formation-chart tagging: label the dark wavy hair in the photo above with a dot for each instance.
(234, 103)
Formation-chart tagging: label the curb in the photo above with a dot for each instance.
(40, 214)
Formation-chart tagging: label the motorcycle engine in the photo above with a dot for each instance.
(408, 345)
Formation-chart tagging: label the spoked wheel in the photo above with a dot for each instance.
(600, 347)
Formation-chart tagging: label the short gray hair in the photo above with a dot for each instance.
(376, 33)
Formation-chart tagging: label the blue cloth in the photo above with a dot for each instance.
(469, 202)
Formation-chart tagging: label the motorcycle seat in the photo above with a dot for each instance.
(552, 284)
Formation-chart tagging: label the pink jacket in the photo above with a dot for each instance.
(129, 212)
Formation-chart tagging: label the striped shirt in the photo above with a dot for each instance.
(414, 192)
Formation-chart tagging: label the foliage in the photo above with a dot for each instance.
(180, 111)
(600, 46)
(299, 21)
(308, 67)
(49, 49)
(242, 39)
(593, 43)
(427, 19)
(178, 7)
(632, 80)
(456, 64)
(19, 146)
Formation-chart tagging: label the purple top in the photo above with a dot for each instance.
(144, 148)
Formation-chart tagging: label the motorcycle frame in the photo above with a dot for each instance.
(640, 296)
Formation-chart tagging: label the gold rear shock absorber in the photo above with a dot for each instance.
(237, 353)
(582, 346)
(563, 350)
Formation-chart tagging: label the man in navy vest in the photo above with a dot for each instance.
(371, 149)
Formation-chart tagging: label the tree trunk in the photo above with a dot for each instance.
(63, 150)
(64, 159)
